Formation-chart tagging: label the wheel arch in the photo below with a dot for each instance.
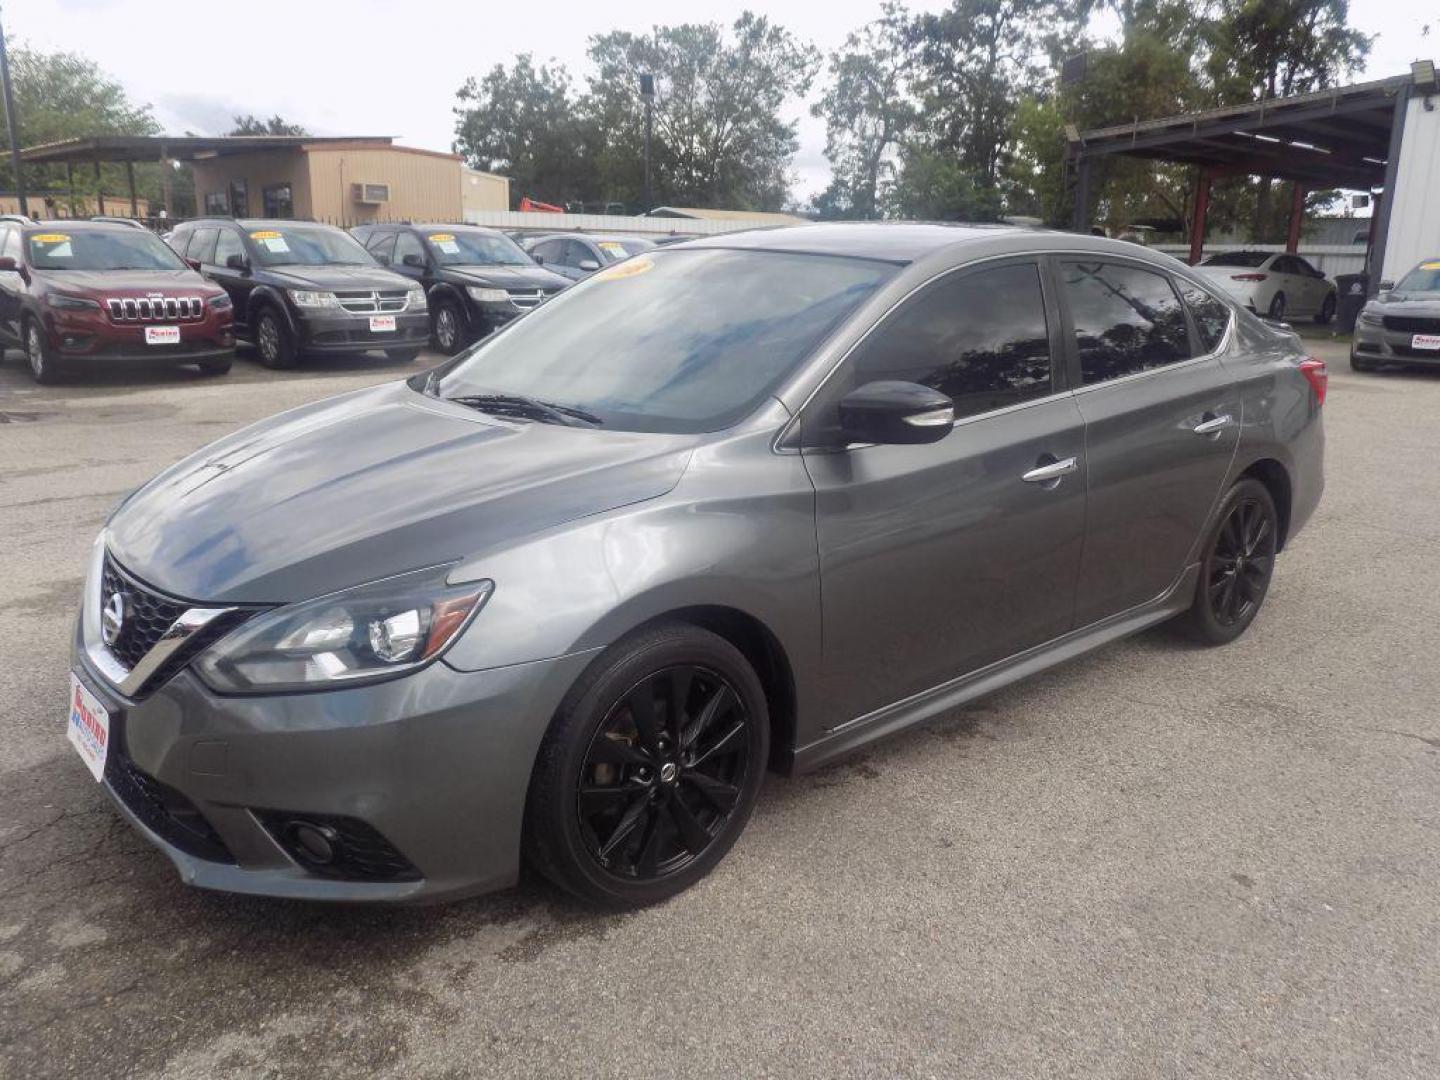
(1276, 479)
(263, 297)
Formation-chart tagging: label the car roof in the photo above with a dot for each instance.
(72, 225)
(280, 223)
(427, 228)
(891, 241)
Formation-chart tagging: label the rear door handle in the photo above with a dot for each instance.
(1214, 425)
(1051, 473)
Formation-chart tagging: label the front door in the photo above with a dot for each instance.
(1162, 420)
(12, 286)
(936, 560)
(235, 281)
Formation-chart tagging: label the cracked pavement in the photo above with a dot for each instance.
(1153, 861)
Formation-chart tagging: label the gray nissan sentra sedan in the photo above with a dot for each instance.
(743, 503)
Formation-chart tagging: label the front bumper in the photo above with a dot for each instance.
(351, 333)
(437, 763)
(85, 336)
(1390, 346)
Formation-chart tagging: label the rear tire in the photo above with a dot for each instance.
(44, 367)
(650, 769)
(1327, 310)
(274, 344)
(1238, 564)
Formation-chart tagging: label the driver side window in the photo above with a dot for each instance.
(407, 244)
(227, 245)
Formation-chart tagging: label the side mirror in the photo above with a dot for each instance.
(589, 265)
(383, 260)
(7, 263)
(539, 259)
(237, 262)
(1387, 286)
(194, 264)
(413, 260)
(896, 413)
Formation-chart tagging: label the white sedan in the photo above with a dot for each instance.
(1273, 284)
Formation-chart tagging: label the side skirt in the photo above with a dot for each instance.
(928, 704)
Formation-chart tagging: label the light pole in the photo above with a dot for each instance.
(647, 93)
(12, 122)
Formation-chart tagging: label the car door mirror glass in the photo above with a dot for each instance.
(236, 262)
(895, 413)
(414, 261)
(589, 265)
(1387, 286)
(539, 259)
(382, 258)
(194, 264)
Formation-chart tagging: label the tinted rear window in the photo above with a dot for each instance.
(1238, 258)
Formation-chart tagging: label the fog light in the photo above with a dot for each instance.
(312, 843)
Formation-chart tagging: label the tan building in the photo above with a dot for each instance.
(345, 180)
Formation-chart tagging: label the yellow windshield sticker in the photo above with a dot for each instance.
(610, 247)
(442, 237)
(49, 238)
(265, 234)
(1430, 266)
(629, 268)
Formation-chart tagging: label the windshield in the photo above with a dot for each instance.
(476, 249)
(706, 336)
(308, 246)
(615, 248)
(1424, 278)
(1238, 258)
(100, 249)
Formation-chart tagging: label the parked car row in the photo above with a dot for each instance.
(107, 290)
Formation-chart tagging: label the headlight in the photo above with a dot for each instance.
(71, 303)
(483, 295)
(220, 303)
(306, 299)
(375, 631)
(1371, 318)
(416, 300)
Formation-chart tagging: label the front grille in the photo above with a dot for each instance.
(360, 853)
(162, 809)
(529, 298)
(1412, 325)
(156, 308)
(370, 302)
(148, 614)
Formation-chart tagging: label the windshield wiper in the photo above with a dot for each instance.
(530, 408)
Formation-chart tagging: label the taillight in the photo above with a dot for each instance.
(1316, 376)
(1248, 277)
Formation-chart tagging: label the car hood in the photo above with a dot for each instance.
(371, 484)
(330, 277)
(1419, 305)
(508, 277)
(123, 282)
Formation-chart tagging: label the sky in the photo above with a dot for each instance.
(368, 67)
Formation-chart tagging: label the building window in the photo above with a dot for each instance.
(277, 201)
(215, 203)
(239, 199)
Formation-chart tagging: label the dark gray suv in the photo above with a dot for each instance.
(568, 596)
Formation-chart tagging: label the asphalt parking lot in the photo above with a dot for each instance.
(1155, 861)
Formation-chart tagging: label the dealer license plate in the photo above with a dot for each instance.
(1425, 341)
(382, 324)
(162, 335)
(89, 727)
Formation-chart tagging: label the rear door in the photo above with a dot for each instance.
(936, 560)
(1162, 420)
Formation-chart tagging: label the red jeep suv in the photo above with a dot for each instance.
(75, 292)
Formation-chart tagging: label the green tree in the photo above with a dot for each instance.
(868, 109)
(935, 186)
(276, 125)
(523, 122)
(719, 139)
(65, 96)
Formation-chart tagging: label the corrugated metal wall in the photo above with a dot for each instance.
(423, 187)
(1415, 213)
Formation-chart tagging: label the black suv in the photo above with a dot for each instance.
(475, 279)
(301, 288)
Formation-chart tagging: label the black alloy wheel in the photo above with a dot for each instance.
(446, 331)
(272, 342)
(651, 769)
(1238, 566)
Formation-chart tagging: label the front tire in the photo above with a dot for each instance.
(44, 367)
(650, 769)
(1238, 565)
(1277, 307)
(274, 345)
(1327, 310)
(447, 328)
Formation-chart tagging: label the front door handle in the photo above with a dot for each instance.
(1050, 473)
(1214, 425)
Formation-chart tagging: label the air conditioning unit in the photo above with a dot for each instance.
(370, 194)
